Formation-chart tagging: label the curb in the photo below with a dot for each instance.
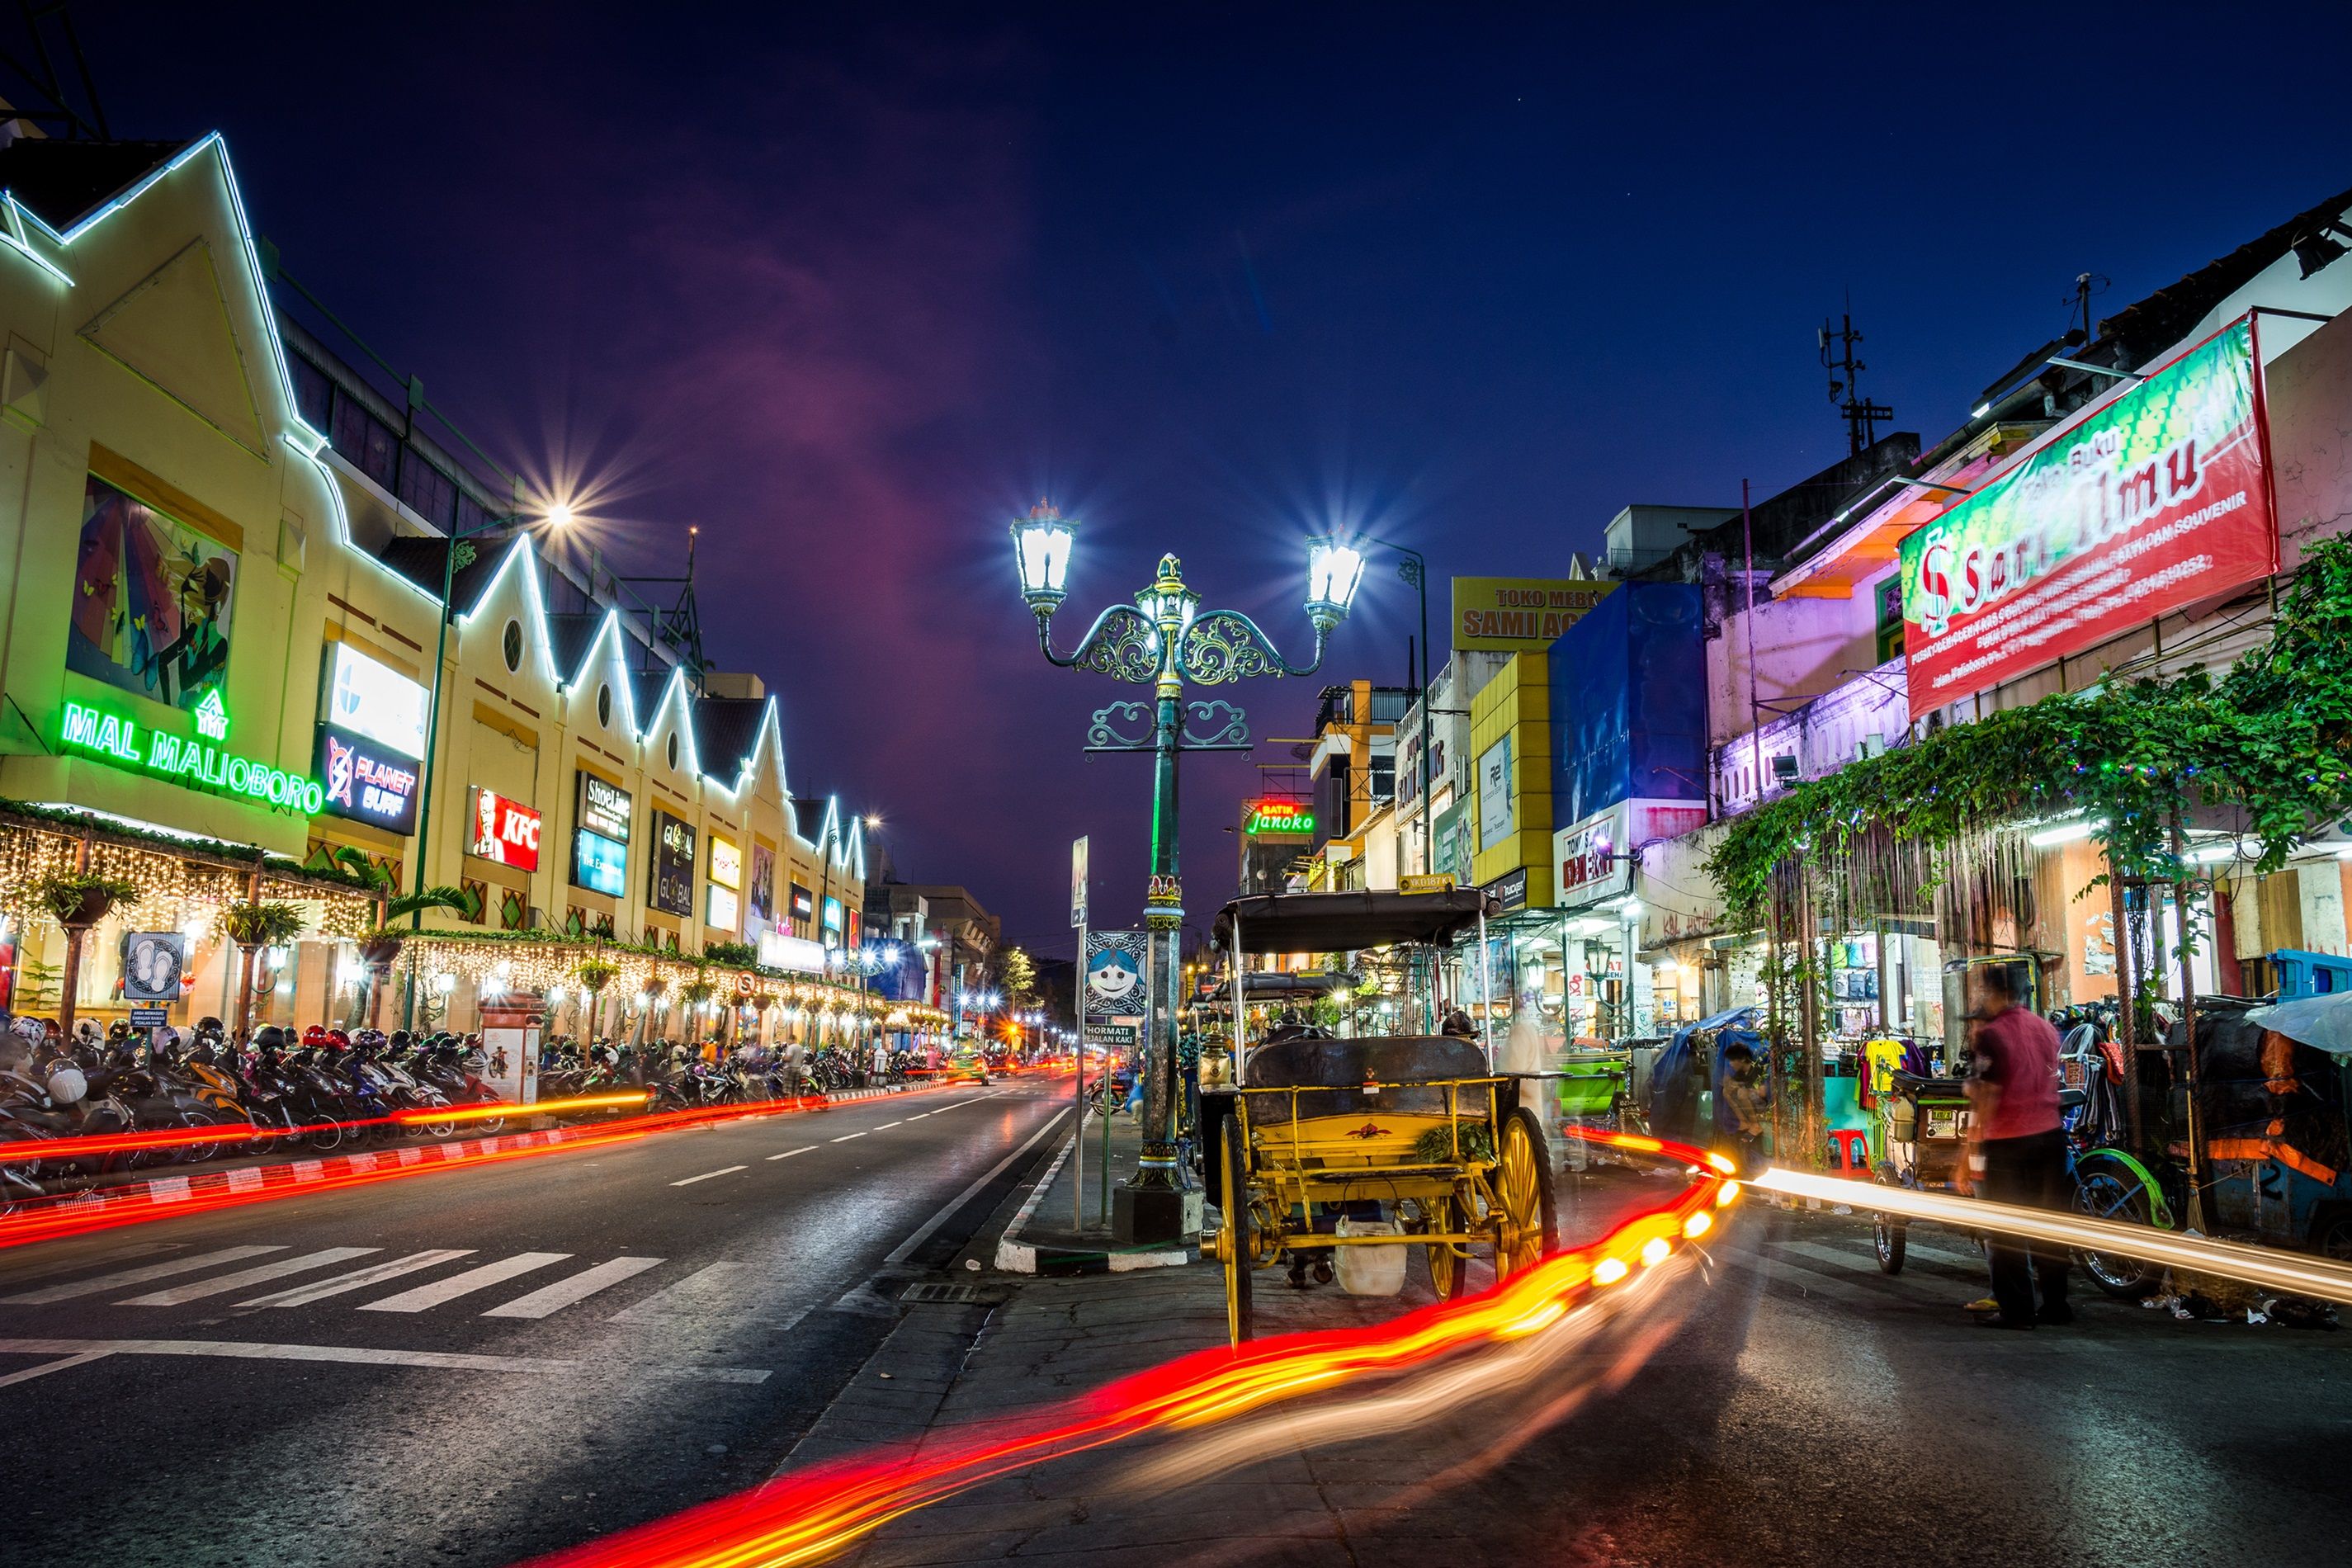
(1014, 1256)
(163, 1192)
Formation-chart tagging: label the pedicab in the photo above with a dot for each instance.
(1420, 1130)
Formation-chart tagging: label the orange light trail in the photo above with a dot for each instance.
(483, 1112)
(810, 1516)
(27, 1150)
(78, 1216)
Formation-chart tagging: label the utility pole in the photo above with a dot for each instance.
(1861, 414)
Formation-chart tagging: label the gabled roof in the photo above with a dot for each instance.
(2154, 325)
(726, 732)
(569, 638)
(421, 559)
(61, 181)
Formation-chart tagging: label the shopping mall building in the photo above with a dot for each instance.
(226, 554)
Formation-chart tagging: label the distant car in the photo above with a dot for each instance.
(966, 1067)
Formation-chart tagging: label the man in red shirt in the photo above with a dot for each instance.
(2017, 1151)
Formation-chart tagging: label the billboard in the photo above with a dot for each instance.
(152, 599)
(1520, 614)
(599, 864)
(1290, 818)
(2158, 501)
(375, 700)
(1495, 793)
(505, 831)
(366, 780)
(761, 895)
(671, 889)
(605, 808)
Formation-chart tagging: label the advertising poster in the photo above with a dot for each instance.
(725, 907)
(1078, 882)
(1115, 991)
(151, 600)
(2155, 501)
(671, 886)
(366, 780)
(761, 894)
(375, 700)
(600, 865)
(1495, 793)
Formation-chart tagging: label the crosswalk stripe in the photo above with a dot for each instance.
(464, 1284)
(221, 1285)
(139, 1276)
(555, 1298)
(695, 1295)
(359, 1279)
(51, 1270)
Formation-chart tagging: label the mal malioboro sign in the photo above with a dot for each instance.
(196, 764)
(2158, 501)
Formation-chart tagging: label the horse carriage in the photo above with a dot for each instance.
(1310, 1136)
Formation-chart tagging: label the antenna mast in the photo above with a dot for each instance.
(1861, 416)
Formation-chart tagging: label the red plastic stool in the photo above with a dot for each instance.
(1850, 1151)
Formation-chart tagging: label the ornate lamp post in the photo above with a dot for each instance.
(1161, 642)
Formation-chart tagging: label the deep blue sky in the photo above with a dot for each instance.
(848, 287)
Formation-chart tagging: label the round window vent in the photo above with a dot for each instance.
(605, 706)
(673, 751)
(512, 646)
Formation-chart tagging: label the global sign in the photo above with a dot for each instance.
(2157, 500)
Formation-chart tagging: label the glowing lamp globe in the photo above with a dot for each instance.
(1041, 549)
(1334, 568)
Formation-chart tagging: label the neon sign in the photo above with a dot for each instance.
(194, 763)
(211, 718)
(1280, 816)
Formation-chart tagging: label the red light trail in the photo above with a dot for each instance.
(810, 1516)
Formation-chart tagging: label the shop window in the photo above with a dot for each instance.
(512, 646)
(314, 395)
(367, 443)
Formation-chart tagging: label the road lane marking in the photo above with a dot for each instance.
(31, 1373)
(920, 1115)
(555, 1298)
(706, 1176)
(789, 1152)
(221, 1285)
(847, 1136)
(360, 1279)
(245, 1350)
(905, 1248)
(464, 1284)
(885, 1127)
(142, 1275)
(704, 1290)
(52, 1268)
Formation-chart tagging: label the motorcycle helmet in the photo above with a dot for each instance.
(28, 1028)
(339, 1040)
(316, 1034)
(208, 1025)
(271, 1038)
(402, 1039)
(66, 1085)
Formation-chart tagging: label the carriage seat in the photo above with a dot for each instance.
(1337, 1070)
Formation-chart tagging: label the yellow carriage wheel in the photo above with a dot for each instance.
(1523, 1215)
(1240, 1247)
(1449, 1270)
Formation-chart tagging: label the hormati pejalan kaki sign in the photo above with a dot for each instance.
(2155, 501)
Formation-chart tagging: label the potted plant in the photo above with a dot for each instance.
(253, 926)
(380, 947)
(78, 901)
(595, 974)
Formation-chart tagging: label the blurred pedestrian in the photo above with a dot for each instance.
(1740, 1108)
(2017, 1153)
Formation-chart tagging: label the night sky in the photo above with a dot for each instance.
(849, 292)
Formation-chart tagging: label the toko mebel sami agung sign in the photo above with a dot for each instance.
(2158, 501)
(194, 762)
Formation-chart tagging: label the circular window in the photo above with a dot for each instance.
(673, 751)
(605, 706)
(513, 644)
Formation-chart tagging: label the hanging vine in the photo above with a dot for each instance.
(2272, 738)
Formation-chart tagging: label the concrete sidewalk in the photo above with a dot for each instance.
(1059, 1230)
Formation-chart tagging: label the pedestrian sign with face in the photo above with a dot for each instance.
(1114, 975)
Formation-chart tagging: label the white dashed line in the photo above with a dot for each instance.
(847, 1136)
(919, 1116)
(706, 1176)
(789, 1152)
(886, 1127)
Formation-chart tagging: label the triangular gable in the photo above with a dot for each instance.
(613, 672)
(173, 331)
(522, 562)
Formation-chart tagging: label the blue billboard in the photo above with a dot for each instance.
(1629, 702)
(599, 865)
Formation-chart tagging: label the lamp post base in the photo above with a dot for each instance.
(1153, 1215)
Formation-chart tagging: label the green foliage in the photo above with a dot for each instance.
(2273, 738)
(261, 925)
(734, 955)
(1020, 975)
(595, 974)
(1437, 1145)
(68, 895)
(407, 904)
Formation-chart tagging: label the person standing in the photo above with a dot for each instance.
(2017, 1153)
(1740, 1110)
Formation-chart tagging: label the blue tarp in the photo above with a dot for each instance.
(1674, 1111)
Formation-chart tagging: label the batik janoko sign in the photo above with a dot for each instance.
(2158, 501)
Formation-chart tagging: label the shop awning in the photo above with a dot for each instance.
(1345, 922)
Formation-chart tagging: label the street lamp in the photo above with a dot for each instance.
(1163, 640)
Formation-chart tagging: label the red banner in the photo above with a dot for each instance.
(2159, 500)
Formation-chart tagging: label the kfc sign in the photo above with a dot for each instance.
(504, 831)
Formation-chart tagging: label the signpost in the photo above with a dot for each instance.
(1079, 886)
(1112, 1012)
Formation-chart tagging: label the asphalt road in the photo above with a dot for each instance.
(475, 1365)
